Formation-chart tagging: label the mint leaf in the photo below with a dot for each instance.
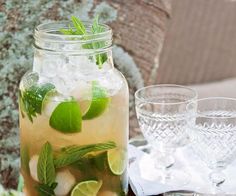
(97, 28)
(67, 31)
(89, 162)
(71, 154)
(31, 99)
(78, 25)
(81, 30)
(24, 156)
(96, 147)
(46, 190)
(100, 161)
(66, 117)
(100, 59)
(45, 168)
(84, 165)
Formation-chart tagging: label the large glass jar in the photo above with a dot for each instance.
(73, 116)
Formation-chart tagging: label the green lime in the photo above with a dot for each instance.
(117, 160)
(86, 188)
(66, 117)
(98, 103)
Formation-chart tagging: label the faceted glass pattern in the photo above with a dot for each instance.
(213, 135)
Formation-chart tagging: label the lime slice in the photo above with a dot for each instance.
(66, 117)
(98, 104)
(87, 188)
(117, 160)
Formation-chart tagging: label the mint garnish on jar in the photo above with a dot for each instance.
(79, 29)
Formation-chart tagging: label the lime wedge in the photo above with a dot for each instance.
(86, 188)
(117, 160)
(98, 104)
(66, 117)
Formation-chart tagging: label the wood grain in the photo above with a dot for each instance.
(140, 30)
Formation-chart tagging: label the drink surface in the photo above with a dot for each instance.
(92, 113)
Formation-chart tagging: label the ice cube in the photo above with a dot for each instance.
(33, 167)
(65, 182)
(51, 101)
(111, 81)
(61, 85)
(82, 91)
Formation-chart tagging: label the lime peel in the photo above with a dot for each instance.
(87, 188)
(66, 117)
(117, 160)
(98, 104)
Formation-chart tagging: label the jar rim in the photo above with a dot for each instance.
(48, 30)
(49, 38)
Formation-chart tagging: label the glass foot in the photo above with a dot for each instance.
(172, 177)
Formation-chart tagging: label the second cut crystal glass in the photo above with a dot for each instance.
(213, 134)
(162, 116)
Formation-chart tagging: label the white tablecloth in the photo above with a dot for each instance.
(143, 179)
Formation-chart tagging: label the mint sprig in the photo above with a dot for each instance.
(71, 154)
(31, 99)
(78, 24)
(96, 28)
(79, 29)
(46, 190)
(45, 168)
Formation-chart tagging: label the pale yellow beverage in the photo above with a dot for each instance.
(73, 134)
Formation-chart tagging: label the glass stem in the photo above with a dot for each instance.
(164, 160)
(217, 178)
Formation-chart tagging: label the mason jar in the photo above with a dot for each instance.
(73, 116)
